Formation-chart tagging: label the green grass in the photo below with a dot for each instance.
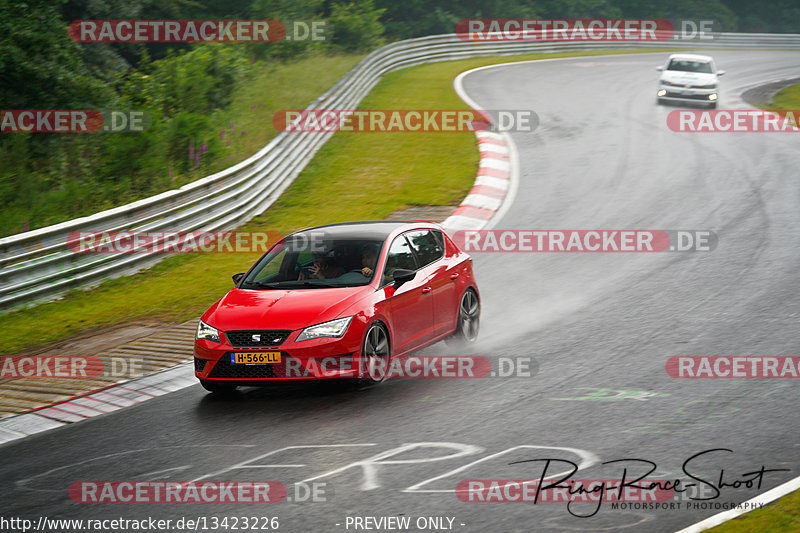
(780, 516)
(273, 87)
(355, 176)
(787, 99)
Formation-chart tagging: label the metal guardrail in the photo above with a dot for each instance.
(37, 265)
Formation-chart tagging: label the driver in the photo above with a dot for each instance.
(324, 267)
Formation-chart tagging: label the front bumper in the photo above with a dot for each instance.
(314, 359)
(685, 94)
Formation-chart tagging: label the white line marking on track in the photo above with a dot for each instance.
(587, 459)
(21, 484)
(245, 465)
(369, 465)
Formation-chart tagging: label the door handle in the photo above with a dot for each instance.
(454, 276)
(426, 290)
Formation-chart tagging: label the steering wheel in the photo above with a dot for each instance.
(357, 271)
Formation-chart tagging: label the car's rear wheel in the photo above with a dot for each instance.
(469, 320)
(218, 387)
(375, 354)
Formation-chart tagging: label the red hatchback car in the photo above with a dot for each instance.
(338, 301)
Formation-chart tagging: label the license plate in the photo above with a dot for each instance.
(255, 358)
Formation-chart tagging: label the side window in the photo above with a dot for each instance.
(400, 256)
(427, 244)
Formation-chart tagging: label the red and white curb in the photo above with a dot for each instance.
(97, 403)
(496, 183)
(491, 185)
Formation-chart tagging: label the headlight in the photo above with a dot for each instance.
(204, 331)
(712, 96)
(662, 92)
(334, 328)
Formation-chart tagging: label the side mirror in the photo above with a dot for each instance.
(237, 278)
(720, 72)
(660, 68)
(401, 275)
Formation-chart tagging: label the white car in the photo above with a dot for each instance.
(689, 78)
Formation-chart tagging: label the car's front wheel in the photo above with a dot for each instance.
(218, 387)
(375, 354)
(469, 320)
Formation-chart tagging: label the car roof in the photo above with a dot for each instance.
(692, 57)
(369, 229)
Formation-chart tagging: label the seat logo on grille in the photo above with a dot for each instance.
(256, 338)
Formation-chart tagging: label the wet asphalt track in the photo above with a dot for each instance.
(603, 158)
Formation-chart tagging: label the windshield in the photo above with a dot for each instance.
(684, 65)
(306, 261)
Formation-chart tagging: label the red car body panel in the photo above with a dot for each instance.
(421, 312)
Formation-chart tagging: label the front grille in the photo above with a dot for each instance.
(225, 369)
(689, 96)
(199, 364)
(688, 86)
(265, 337)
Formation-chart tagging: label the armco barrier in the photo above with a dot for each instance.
(36, 265)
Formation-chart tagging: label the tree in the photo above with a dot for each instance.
(356, 25)
(41, 67)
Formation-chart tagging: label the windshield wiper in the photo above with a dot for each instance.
(289, 284)
(313, 285)
(259, 285)
(267, 285)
